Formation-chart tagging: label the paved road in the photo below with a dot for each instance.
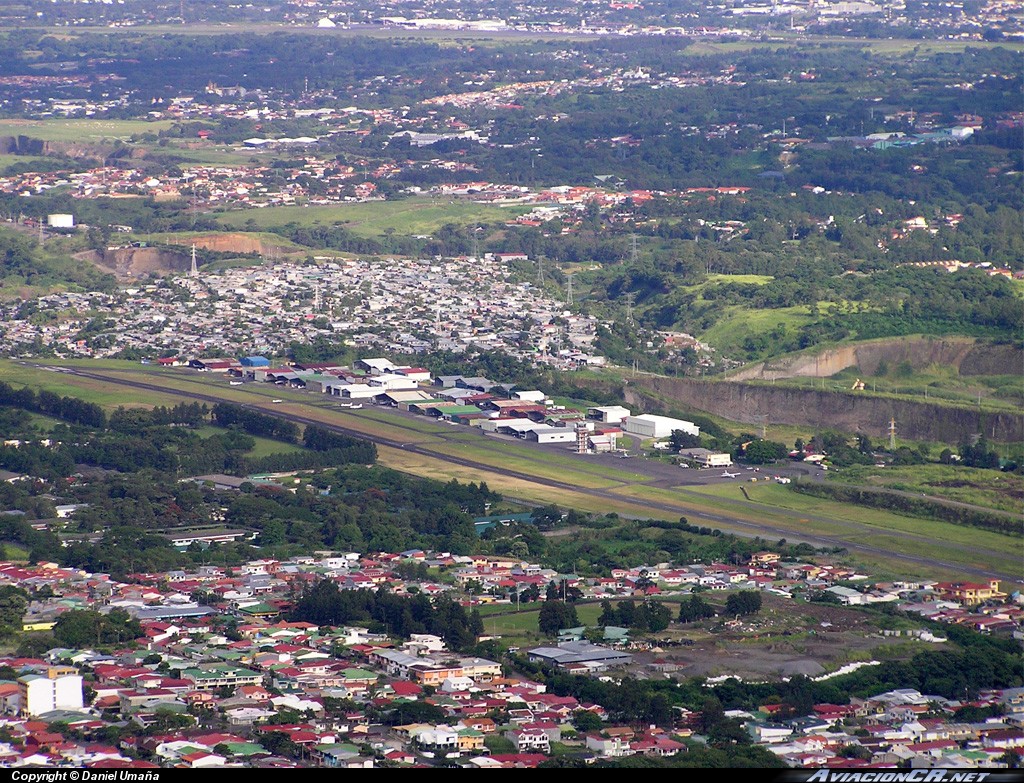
(694, 514)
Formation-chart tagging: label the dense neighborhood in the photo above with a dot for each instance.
(225, 680)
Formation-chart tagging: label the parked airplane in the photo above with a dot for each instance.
(727, 474)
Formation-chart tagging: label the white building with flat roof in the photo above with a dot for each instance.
(609, 414)
(647, 425)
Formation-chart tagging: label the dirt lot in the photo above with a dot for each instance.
(784, 638)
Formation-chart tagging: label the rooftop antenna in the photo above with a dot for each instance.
(194, 271)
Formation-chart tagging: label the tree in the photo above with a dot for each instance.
(763, 452)
(13, 602)
(743, 603)
(280, 744)
(82, 628)
(683, 440)
(695, 608)
(608, 614)
(551, 594)
(556, 615)
(585, 720)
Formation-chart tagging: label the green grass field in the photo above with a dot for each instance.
(503, 457)
(943, 540)
(737, 323)
(407, 217)
(82, 131)
(936, 384)
(716, 278)
(264, 446)
(107, 395)
(12, 160)
(987, 488)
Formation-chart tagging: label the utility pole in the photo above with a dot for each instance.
(892, 434)
(540, 271)
(568, 292)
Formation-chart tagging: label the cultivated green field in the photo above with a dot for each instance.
(83, 131)
(407, 217)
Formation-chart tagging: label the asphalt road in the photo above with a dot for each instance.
(693, 514)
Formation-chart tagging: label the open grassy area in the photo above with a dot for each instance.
(546, 458)
(264, 446)
(521, 626)
(937, 384)
(181, 238)
(406, 217)
(14, 551)
(779, 498)
(514, 489)
(529, 463)
(737, 323)
(13, 160)
(988, 488)
(107, 395)
(720, 278)
(81, 131)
